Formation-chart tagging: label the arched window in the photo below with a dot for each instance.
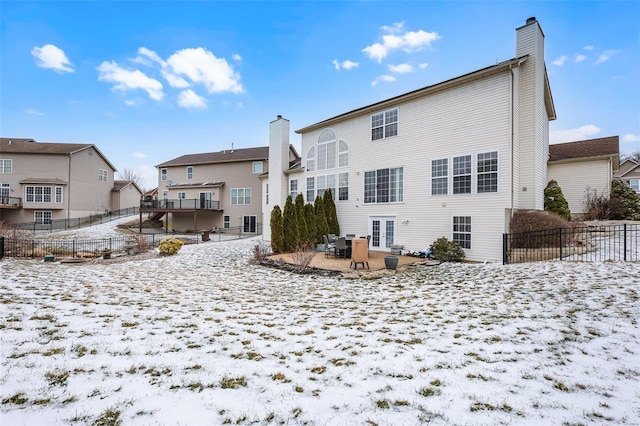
(328, 153)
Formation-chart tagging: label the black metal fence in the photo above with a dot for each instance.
(78, 222)
(596, 243)
(115, 246)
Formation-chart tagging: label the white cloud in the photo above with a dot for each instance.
(50, 56)
(606, 55)
(236, 57)
(580, 58)
(347, 65)
(31, 111)
(630, 138)
(581, 133)
(189, 99)
(148, 56)
(401, 68)
(174, 80)
(131, 102)
(138, 155)
(129, 80)
(411, 41)
(423, 65)
(588, 48)
(383, 78)
(559, 61)
(203, 67)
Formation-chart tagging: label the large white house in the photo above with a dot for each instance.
(454, 159)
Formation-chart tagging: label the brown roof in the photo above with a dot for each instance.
(225, 156)
(601, 147)
(29, 146)
(119, 184)
(53, 181)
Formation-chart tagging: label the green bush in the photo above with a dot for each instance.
(310, 216)
(447, 251)
(290, 221)
(625, 201)
(331, 213)
(169, 246)
(554, 200)
(322, 227)
(277, 231)
(303, 229)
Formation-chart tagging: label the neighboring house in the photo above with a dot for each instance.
(453, 160)
(630, 173)
(212, 190)
(125, 194)
(583, 167)
(43, 182)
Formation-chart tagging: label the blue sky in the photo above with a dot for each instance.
(147, 81)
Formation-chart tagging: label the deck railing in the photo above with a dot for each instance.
(180, 204)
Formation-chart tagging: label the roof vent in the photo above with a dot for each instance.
(531, 20)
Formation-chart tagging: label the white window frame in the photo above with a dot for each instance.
(384, 124)
(189, 172)
(59, 192)
(311, 189)
(462, 166)
(487, 172)
(5, 190)
(241, 196)
(440, 176)
(255, 169)
(6, 166)
(182, 195)
(343, 186)
(42, 217)
(103, 175)
(635, 184)
(381, 188)
(37, 194)
(461, 231)
(293, 188)
(163, 174)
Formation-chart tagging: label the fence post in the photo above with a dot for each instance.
(73, 249)
(561, 244)
(505, 255)
(624, 236)
(1, 247)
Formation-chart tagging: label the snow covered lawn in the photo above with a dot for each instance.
(205, 337)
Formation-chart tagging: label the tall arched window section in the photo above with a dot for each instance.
(328, 153)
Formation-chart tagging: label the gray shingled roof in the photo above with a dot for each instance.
(225, 156)
(600, 147)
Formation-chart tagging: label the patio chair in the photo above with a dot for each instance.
(328, 247)
(340, 248)
(332, 238)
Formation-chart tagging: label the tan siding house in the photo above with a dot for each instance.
(43, 182)
(125, 194)
(630, 173)
(213, 190)
(453, 159)
(583, 166)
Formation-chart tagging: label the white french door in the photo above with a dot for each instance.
(383, 232)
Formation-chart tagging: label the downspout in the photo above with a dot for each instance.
(512, 146)
(69, 189)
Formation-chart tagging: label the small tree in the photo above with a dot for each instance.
(312, 229)
(447, 251)
(277, 230)
(322, 227)
(331, 213)
(303, 229)
(554, 200)
(290, 223)
(625, 202)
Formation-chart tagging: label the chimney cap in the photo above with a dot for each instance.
(531, 20)
(279, 117)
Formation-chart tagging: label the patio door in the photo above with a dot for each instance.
(205, 200)
(383, 232)
(249, 224)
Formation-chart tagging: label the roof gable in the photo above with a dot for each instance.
(588, 149)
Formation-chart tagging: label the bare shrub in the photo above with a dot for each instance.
(8, 230)
(261, 251)
(597, 206)
(534, 229)
(302, 257)
(142, 243)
